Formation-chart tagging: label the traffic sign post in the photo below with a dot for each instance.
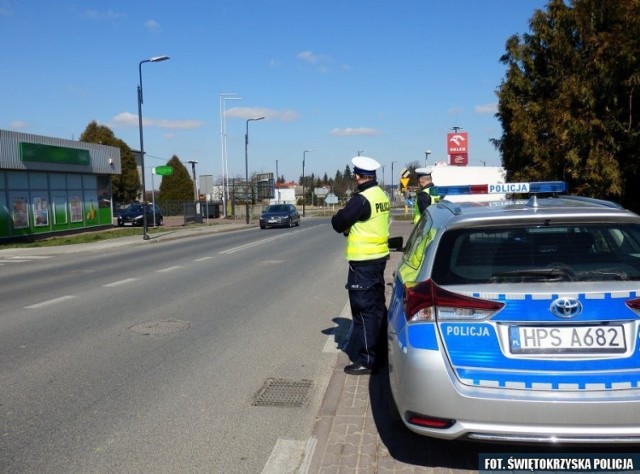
(331, 199)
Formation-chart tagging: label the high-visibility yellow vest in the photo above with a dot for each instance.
(368, 240)
(416, 209)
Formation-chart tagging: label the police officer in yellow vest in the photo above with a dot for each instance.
(365, 222)
(423, 198)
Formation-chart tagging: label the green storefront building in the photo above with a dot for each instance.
(51, 185)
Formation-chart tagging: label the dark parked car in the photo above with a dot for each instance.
(279, 215)
(133, 215)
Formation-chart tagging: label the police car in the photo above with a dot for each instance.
(516, 320)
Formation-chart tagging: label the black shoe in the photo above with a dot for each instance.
(357, 369)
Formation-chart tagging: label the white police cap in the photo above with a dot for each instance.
(420, 172)
(365, 166)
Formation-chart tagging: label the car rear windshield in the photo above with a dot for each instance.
(550, 253)
(277, 208)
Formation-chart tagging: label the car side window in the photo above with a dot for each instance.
(419, 240)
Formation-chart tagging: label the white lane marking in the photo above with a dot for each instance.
(259, 242)
(337, 341)
(118, 283)
(202, 259)
(30, 257)
(168, 269)
(49, 302)
(22, 258)
(286, 456)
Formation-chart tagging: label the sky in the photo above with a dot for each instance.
(386, 79)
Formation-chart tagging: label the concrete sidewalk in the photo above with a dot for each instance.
(358, 429)
(172, 229)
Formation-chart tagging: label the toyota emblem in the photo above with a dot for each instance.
(566, 308)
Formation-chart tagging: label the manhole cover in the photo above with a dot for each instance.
(159, 328)
(283, 393)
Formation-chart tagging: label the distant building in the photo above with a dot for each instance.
(284, 193)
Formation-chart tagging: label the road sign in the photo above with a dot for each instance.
(404, 173)
(163, 170)
(331, 199)
(404, 182)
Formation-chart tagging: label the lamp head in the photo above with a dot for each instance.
(156, 59)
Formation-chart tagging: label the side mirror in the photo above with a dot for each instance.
(396, 244)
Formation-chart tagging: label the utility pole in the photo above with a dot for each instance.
(195, 185)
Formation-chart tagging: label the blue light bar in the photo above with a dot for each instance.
(500, 188)
(548, 187)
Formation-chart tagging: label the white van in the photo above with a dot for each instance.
(445, 175)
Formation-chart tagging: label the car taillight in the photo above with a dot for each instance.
(426, 301)
(634, 304)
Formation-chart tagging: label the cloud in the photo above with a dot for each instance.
(350, 132)
(127, 119)
(152, 25)
(486, 109)
(18, 125)
(269, 114)
(310, 57)
(321, 61)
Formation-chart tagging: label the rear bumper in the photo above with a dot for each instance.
(422, 383)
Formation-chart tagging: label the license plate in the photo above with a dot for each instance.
(603, 339)
(128, 223)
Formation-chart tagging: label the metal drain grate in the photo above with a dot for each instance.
(283, 393)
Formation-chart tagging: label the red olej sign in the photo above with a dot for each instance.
(457, 143)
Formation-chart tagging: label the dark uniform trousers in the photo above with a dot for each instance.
(366, 287)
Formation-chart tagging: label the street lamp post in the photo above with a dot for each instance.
(193, 172)
(393, 194)
(246, 162)
(276, 185)
(304, 155)
(155, 59)
(426, 156)
(223, 140)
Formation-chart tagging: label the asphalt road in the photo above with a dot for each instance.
(156, 358)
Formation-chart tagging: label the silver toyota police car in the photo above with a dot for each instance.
(516, 320)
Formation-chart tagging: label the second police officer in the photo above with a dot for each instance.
(423, 198)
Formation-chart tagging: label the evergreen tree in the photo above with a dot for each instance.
(179, 185)
(568, 104)
(125, 187)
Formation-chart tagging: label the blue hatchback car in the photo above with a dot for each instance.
(517, 320)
